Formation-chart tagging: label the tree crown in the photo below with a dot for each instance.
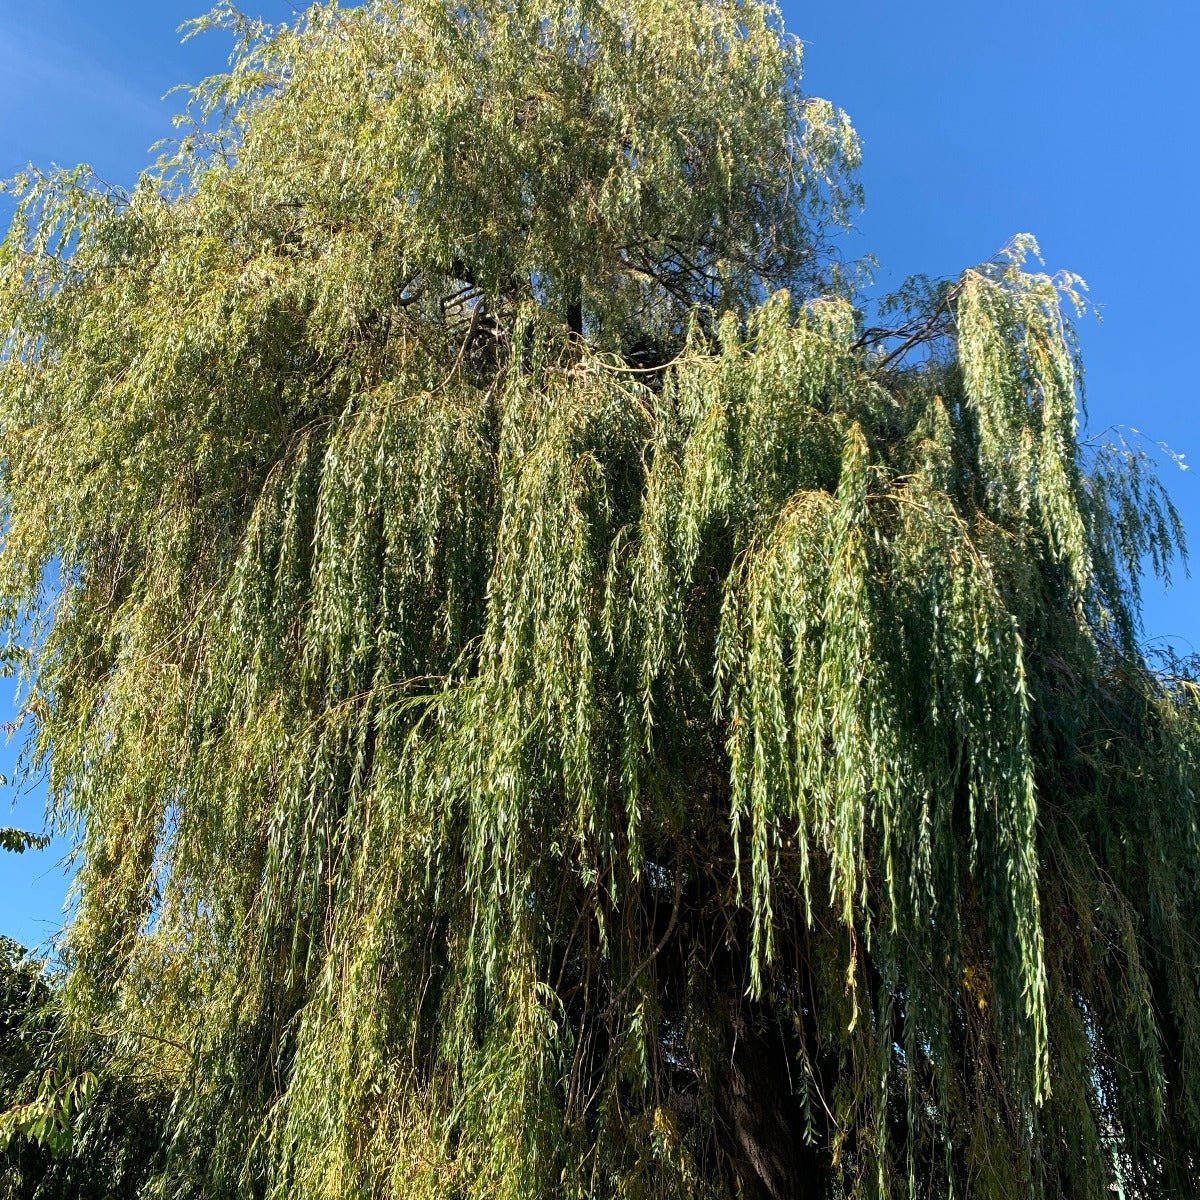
(550, 701)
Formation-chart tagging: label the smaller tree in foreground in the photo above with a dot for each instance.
(551, 700)
(73, 1126)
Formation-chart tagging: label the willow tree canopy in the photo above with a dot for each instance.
(552, 701)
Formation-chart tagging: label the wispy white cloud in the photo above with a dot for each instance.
(57, 99)
(29, 60)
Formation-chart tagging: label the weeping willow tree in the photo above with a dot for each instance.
(550, 699)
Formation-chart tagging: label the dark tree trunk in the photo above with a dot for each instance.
(575, 316)
(764, 1122)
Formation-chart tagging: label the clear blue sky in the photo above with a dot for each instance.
(1076, 121)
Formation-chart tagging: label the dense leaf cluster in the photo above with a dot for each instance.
(75, 1127)
(552, 702)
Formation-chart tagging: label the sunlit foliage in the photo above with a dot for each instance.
(552, 701)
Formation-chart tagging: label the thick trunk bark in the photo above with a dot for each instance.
(763, 1118)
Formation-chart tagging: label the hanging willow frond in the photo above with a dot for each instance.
(530, 734)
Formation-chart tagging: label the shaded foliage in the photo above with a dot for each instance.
(17, 841)
(71, 1125)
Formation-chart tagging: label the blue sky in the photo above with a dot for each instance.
(1075, 121)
